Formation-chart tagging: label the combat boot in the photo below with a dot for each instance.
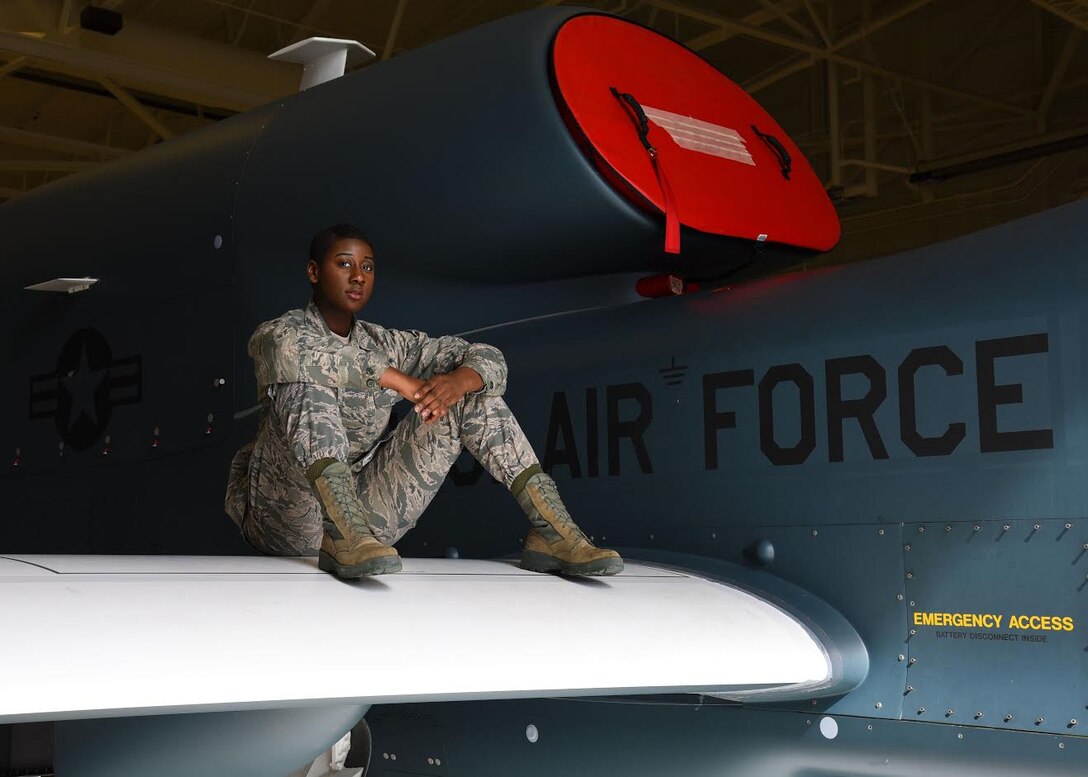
(349, 548)
(555, 543)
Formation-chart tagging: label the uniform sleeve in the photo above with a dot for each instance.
(283, 353)
(415, 353)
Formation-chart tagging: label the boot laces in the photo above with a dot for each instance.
(347, 499)
(549, 492)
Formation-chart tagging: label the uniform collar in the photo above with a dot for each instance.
(313, 315)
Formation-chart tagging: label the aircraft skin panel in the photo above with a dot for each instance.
(692, 738)
(153, 635)
(676, 409)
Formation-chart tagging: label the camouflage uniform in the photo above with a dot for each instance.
(320, 399)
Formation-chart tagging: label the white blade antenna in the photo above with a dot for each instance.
(322, 59)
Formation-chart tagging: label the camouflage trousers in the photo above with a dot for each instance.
(277, 510)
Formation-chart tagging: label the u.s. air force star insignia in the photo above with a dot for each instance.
(80, 394)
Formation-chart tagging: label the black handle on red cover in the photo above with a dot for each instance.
(785, 163)
(640, 117)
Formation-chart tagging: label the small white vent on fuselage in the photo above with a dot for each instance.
(69, 285)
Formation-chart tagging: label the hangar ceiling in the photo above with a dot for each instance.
(925, 118)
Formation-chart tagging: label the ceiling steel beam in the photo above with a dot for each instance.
(37, 15)
(12, 66)
(1006, 148)
(289, 23)
(831, 56)
(797, 66)
(1058, 73)
(26, 139)
(869, 27)
(876, 166)
(950, 121)
(1011, 153)
(1073, 11)
(783, 15)
(991, 27)
(306, 22)
(753, 31)
(177, 85)
(153, 60)
(722, 34)
(394, 28)
(64, 22)
(170, 83)
(762, 82)
(816, 144)
(465, 10)
(868, 109)
(820, 28)
(834, 117)
(43, 166)
(137, 109)
(236, 38)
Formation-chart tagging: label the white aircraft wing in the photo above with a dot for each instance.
(98, 637)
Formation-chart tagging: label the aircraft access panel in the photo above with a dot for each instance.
(994, 640)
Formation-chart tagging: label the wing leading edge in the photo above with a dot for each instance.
(94, 637)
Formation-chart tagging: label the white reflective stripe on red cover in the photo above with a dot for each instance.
(703, 136)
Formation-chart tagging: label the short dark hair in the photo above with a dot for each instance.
(323, 241)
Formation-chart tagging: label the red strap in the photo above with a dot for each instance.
(672, 217)
(632, 107)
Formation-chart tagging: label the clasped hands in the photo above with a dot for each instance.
(433, 397)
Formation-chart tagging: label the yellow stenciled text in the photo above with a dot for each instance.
(977, 620)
